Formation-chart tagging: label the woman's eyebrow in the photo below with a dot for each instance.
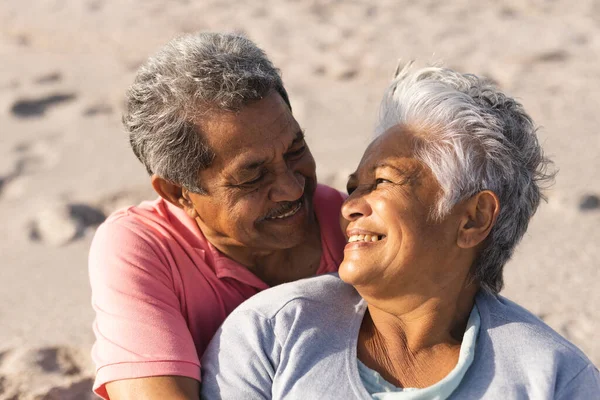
(385, 164)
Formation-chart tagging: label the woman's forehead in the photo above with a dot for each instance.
(397, 143)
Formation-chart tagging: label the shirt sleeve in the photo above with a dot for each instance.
(241, 360)
(585, 385)
(139, 327)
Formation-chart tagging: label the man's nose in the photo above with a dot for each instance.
(289, 186)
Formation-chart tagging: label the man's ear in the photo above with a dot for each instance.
(174, 194)
(480, 216)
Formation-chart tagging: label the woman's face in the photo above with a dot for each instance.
(393, 244)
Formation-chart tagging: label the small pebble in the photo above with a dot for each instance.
(49, 78)
(589, 202)
(56, 225)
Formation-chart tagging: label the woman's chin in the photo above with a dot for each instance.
(352, 273)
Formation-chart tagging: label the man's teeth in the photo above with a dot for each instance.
(289, 213)
(365, 238)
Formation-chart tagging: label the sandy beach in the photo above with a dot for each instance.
(65, 161)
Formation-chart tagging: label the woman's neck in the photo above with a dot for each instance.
(413, 342)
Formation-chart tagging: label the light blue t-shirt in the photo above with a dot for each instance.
(297, 341)
(380, 389)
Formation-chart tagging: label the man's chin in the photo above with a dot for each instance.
(291, 231)
(285, 236)
(302, 218)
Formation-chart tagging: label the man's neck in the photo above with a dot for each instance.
(288, 265)
(415, 343)
(281, 265)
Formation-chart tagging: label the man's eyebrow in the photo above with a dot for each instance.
(251, 165)
(254, 164)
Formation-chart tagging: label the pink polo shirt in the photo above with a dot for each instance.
(160, 289)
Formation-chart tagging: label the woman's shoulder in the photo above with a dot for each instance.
(517, 350)
(326, 291)
(510, 324)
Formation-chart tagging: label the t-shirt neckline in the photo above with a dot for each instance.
(467, 351)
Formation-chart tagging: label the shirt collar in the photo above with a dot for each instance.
(223, 266)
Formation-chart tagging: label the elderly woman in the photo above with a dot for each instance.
(435, 209)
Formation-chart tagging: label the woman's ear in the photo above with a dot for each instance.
(174, 194)
(480, 216)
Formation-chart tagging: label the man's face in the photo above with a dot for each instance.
(261, 183)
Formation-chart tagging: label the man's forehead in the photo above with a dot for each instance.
(253, 157)
(265, 120)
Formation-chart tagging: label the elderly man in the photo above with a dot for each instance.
(239, 211)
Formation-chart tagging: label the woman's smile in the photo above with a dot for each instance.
(359, 239)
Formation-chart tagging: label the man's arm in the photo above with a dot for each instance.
(154, 388)
(140, 330)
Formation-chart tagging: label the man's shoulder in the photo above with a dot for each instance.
(328, 197)
(325, 290)
(140, 214)
(510, 322)
(148, 236)
(151, 221)
(328, 203)
(129, 225)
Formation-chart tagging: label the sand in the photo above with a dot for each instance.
(65, 161)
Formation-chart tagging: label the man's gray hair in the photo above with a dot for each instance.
(473, 138)
(192, 76)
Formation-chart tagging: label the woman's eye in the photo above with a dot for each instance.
(379, 181)
(350, 189)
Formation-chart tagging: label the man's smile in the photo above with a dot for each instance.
(293, 209)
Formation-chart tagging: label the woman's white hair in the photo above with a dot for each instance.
(473, 138)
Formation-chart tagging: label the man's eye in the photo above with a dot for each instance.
(296, 153)
(350, 189)
(254, 181)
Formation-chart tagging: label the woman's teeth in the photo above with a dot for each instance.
(364, 238)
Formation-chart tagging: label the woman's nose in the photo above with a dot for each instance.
(355, 206)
